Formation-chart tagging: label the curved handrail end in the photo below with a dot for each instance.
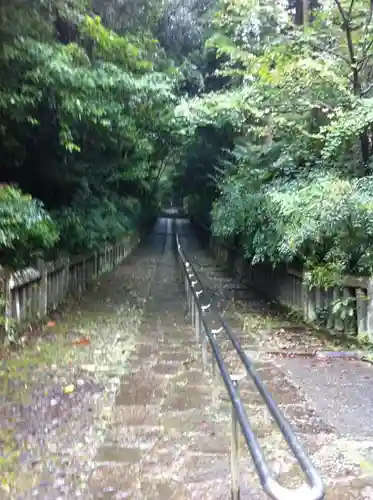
(277, 492)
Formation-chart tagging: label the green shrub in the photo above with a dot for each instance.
(320, 218)
(26, 229)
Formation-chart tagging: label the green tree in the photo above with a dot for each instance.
(293, 180)
(86, 116)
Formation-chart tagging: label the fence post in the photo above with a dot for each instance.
(318, 301)
(338, 323)
(311, 299)
(329, 307)
(6, 302)
(43, 289)
(8, 305)
(305, 300)
(361, 311)
(99, 262)
(350, 322)
(95, 272)
(84, 273)
(370, 309)
(66, 273)
(52, 289)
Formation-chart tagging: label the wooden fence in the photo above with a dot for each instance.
(347, 307)
(31, 293)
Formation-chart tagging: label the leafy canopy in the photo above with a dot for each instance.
(87, 118)
(293, 183)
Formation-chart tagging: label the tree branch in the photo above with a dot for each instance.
(341, 11)
(367, 90)
(361, 62)
(322, 48)
(350, 45)
(369, 19)
(350, 8)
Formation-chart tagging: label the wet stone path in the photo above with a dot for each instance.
(167, 422)
(168, 437)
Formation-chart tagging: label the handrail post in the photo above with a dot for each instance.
(235, 479)
(193, 309)
(213, 363)
(187, 291)
(198, 325)
(189, 297)
(204, 348)
(215, 372)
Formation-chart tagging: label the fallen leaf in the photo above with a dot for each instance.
(5, 486)
(82, 341)
(69, 389)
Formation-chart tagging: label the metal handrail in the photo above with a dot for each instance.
(314, 488)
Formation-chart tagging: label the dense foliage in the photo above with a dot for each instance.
(287, 148)
(86, 122)
(25, 227)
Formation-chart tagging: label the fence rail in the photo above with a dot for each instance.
(201, 310)
(31, 293)
(346, 307)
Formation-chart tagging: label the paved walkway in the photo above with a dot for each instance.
(169, 436)
(167, 433)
